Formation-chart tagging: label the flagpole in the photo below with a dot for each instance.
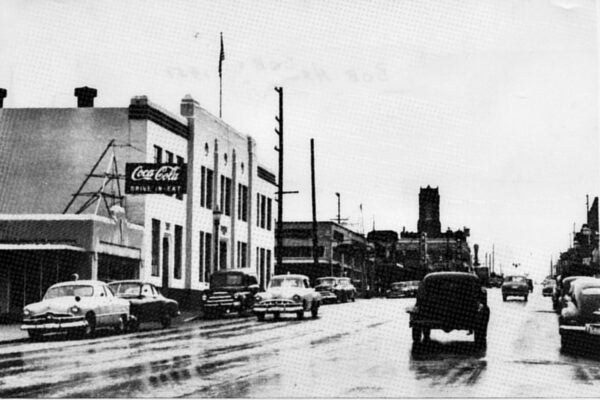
(221, 58)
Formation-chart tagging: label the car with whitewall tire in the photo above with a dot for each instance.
(287, 294)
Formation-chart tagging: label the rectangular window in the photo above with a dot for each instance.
(157, 155)
(155, 246)
(269, 206)
(242, 210)
(227, 190)
(262, 265)
(244, 254)
(268, 271)
(202, 186)
(242, 248)
(207, 256)
(258, 271)
(257, 209)
(209, 189)
(178, 250)
(222, 193)
(201, 257)
(263, 212)
(179, 196)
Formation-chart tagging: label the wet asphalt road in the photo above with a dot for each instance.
(360, 349)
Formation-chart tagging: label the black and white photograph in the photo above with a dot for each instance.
(299, 199)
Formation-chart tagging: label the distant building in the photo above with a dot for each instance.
(46, 154)
(341, 251)
(429, 212)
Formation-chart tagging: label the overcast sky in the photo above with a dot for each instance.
(493, 102)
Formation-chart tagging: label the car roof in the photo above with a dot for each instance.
(234, 272)
(289, 276)
(79, 282)
(434, 276)
(580, 284)
(132, 281)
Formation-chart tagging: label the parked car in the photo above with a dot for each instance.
(562, 287)
(403, 289)
(580, 314)
(287, 294)
(530, 285)
(326, 288)
(496, 281)
(515, 285)
(450, 301)
(230, 291)
(548, 287)
(146, 302)
(76, 307)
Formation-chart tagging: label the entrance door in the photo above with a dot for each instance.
(165, 264)
(223, 255)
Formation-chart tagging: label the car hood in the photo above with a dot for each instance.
(59, 305)
(280, 293)
(515, 284)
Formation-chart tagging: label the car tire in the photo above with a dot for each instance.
(90, 330)
(344, 297)
(300, 315)
(35, 336)
(165, 321)
(416, 334)
(353, 297)
(133, 324)
(314, 311)
(524, 298)
(260, 316)
(504, 297)
(120, 327)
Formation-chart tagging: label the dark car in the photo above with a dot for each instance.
(335, 289)
(580, 315)
(548, 287)
(515, 285)
(450, 301)
(147, 304)
(530, 285)
(230, 291)
(403, 289)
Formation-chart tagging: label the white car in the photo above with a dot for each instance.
(76, 307)
(287, 294)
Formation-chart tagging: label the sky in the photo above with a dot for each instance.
(495, 102)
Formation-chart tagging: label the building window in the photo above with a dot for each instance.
(263, 206)
(226, 195)
(257, 209)
(178, 250)
(180, 161)
(268, 271)
(206, 187)
(202, 186)
(155, 246)
(262, 266)
(242, 252)
(269, 206)
(201, 265)
(242, 210)
(207, 256)
(157, 155)
(258, 271)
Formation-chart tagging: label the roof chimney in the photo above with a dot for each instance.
(85, 96)
(3, 93)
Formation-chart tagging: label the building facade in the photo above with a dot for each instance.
(223, 221)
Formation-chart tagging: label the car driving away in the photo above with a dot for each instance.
(76, 307)
(403, 289)
(147, 304)
(515, 285)
(287, 294)
(450, 301)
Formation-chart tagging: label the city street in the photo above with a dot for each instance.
(360, 349)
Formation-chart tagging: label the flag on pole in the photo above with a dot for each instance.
(221, 56)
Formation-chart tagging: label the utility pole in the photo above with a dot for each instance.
(279, 232)
(315, 236)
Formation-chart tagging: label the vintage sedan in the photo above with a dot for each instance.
(76, 307)
(287, 294)
(403, 289)
(147, 304)
(450, 301)
(548, 287)
(515, 285)
(326, 288)
(345, 290)
(230, 291)
(563, 286)
(579, 317)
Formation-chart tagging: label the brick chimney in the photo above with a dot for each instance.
(85, 96)
(3, 93)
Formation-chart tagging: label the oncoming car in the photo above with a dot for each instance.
(515, 286)
(76, 307)
(287, 294)
(403, 289)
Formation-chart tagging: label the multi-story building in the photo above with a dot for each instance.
(224, 220)
(341, 251)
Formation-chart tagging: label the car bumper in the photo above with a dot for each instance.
(222, 305)
(268, 309)
(547, 293)
(54, 326)
(515, 292)
(589, 329)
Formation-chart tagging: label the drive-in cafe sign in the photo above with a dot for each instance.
(146, 178)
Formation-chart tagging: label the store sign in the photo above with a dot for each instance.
(146, 178)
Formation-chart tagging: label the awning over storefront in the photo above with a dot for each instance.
(38, 246)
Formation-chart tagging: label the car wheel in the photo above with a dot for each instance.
(260, 316)
(36, 336)
(416, 334)
(166, 321)
(120, 327)
(314, 311)
(525, 298)
(354, 297)
(504, 297)
(300, 314)
(133, 323)
(90, 329)
(344, 297)
(480, 337)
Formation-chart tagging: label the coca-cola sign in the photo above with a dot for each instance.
(146, 178)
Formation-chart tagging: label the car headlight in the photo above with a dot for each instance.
(257, 298)
(75, 310)
(297, 298)
(204, 297)
(26, 313)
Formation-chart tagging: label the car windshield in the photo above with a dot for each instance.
(126, 289)
(69, 290)
(286, 282)
(516, 279)
(325, 281)
(344, 281)
(399, 285)
(223, 280)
